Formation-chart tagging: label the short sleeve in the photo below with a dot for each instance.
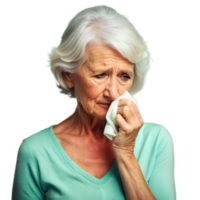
(162, 183)
(26, 179)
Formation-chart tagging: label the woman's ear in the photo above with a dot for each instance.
(68, 79)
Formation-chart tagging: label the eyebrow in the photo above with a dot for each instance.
(100, 70)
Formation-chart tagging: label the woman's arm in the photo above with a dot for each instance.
(133, 180)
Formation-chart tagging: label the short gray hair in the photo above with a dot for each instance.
(99, 23)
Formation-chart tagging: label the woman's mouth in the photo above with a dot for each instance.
(106, 105)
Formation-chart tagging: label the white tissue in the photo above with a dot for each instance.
(110, 130)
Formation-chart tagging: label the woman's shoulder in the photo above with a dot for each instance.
(32, 145)
(153, 138)
(153, 126)
(38, 137)
(154, 130)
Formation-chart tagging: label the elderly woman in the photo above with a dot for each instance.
(101, 56)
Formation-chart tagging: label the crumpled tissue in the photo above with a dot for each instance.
(110, 130)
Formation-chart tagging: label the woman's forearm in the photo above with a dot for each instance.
(133, 180)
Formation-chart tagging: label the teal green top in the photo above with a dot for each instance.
(45, 171)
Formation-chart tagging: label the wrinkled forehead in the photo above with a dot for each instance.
(104, 56)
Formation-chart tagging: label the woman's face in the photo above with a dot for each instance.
(101, 79)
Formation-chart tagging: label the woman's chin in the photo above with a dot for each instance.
(101, 115)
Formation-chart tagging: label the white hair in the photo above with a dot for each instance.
(100, 23)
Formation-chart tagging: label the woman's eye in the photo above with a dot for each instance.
(126, 77)
(101, 75)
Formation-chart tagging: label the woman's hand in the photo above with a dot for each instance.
(129, 121)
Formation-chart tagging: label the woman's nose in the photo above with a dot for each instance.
(112, 90)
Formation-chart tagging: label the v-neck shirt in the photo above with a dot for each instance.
(45, 171)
